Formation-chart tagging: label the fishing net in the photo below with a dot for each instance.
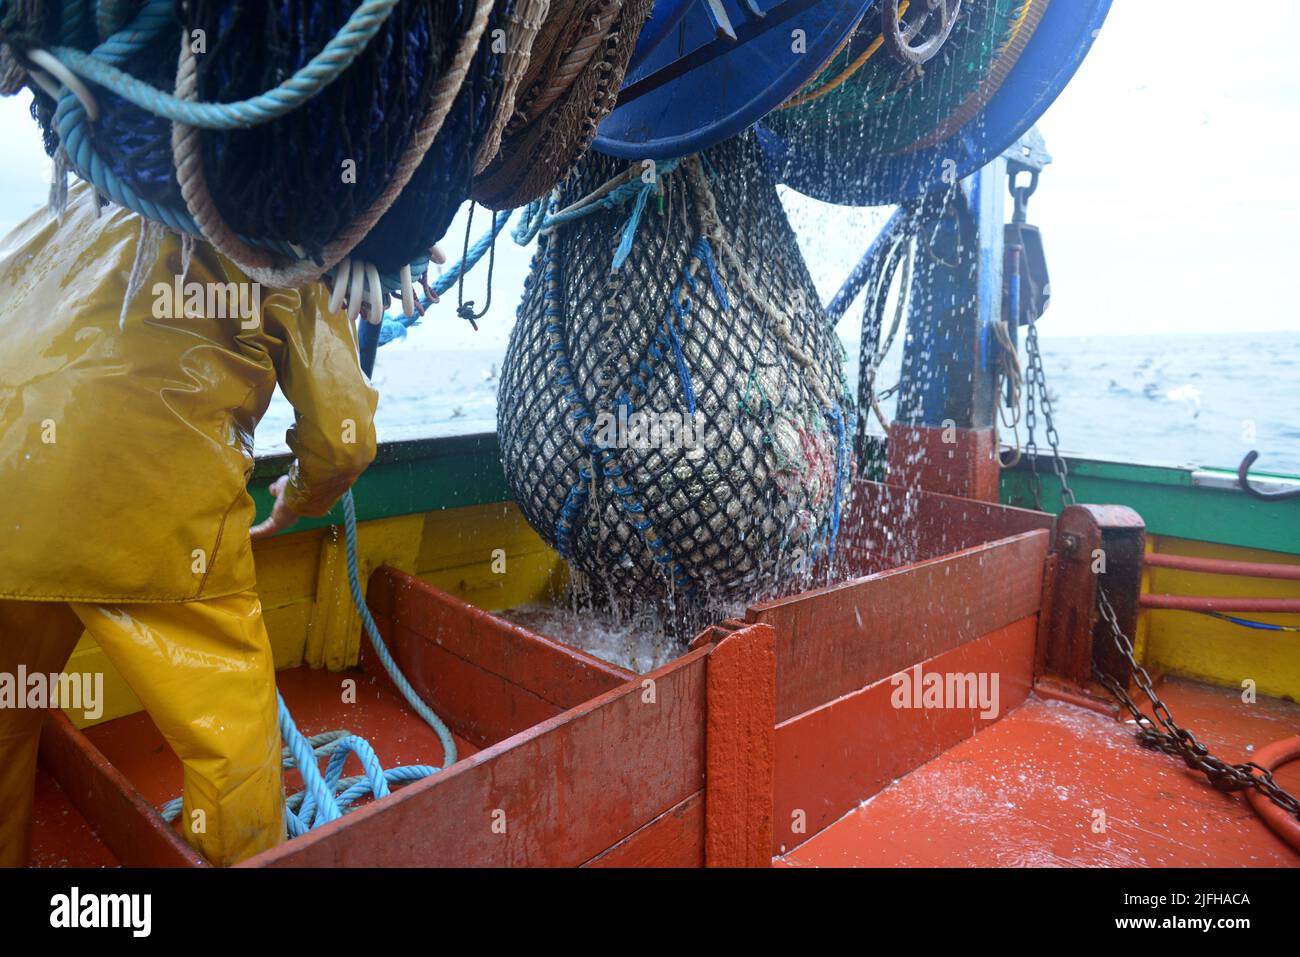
(865, 105)
(372, 164)
(731, 481)
(284, 181)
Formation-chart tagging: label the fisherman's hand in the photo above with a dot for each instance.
(282, 516)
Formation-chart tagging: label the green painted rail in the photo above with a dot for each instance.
(1169, 502)
(425, 475)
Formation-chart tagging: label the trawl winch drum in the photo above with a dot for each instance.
(673, 412)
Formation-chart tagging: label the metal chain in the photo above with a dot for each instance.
(1179, 741)
(1167, 736)
(1036, 381)
(1031, 427)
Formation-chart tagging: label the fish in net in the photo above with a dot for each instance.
(678, 425)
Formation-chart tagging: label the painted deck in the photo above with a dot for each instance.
(1027, 791)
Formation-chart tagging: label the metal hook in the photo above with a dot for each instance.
(1243, 480)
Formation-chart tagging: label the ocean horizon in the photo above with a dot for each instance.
(1189, 400)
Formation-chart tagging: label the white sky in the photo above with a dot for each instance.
(1173, 204)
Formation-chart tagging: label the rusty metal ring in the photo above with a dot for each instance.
(899, 36)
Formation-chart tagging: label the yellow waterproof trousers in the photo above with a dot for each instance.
(204, 672)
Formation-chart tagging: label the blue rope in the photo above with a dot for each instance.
(536, 218)
(1251, 623)
(606, 460)
(77, 137)
(629, 228)
(73, 124)
(381, 650)
(337, 55)
(841, 456)
(326, 797)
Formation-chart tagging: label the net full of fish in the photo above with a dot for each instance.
(678, 426)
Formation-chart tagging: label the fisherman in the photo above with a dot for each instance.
(126, 445)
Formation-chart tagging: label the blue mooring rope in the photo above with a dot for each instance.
(327, 797)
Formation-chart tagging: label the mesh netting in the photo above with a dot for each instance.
(725, 503)
(295, 184)
(838, 135)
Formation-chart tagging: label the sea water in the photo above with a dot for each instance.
(1192, 400)
(1198, 401)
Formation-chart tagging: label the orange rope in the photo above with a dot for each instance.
(808, 96)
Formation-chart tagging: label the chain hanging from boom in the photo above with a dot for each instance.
(1164, 733)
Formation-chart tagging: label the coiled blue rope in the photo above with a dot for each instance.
(327, 796)
(321, 70)
(73, 124)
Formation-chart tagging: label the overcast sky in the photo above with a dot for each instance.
(1173, 204)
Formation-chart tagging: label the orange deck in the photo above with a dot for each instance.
(62, 837)
(1026, 790)
(779, 735)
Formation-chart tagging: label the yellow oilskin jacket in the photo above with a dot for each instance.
(126, 444)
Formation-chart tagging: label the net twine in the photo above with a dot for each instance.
(571, 84)
(710, 316)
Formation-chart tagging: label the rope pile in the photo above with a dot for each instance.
(332, 139)
(673, 413)
(568, 85)
(327, 796)
(865, 104)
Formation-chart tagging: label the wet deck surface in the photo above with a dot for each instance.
(1032, 789)
(61, 836)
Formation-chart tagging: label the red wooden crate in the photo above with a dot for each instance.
(569, 761)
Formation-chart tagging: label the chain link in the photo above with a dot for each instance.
(1167, 736)
(1170, 738)
(1036, 382)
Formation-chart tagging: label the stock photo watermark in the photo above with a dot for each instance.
(72, 691)
(947, 690)
(208, 300)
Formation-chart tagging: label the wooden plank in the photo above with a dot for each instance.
(741, 716)
(488, 679)
(556, 795)
(888, 525)
(957, 461)
(122, 819)
(835, 640)
(554, 672)
(459, 551)
(673, 839)
(429, 618)
(1097, 546)
(832, 758)
(477, 704)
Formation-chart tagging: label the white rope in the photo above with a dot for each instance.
(341, 276)
(47, 62)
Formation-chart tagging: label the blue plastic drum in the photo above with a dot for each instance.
(705, 70)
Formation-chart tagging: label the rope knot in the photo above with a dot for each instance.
(466, 311)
